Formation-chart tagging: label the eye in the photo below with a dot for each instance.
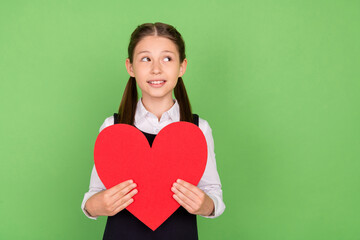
(149, 58)
(143, 58)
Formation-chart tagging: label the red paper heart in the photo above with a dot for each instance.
(122, 152)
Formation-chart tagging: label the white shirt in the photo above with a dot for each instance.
(148, 122)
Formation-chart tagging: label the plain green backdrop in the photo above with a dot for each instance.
(278, 82)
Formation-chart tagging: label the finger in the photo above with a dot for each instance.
(122, 192)
(182, 203)
(125, 198)
(123, 206)
(185, 199)
(119, 187)
(191, 187)
(188, 192)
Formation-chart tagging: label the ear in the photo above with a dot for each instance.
(129, 67)
(183, 67)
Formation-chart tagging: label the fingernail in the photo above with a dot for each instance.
(131, 181)
(178, 180)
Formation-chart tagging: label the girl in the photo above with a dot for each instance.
(156, 62)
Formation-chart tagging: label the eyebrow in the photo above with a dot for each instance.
(162, 51)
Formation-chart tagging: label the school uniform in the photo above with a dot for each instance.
(181, 224)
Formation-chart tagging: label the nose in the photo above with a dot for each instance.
(156, 67)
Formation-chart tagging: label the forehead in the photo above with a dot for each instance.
(154, 44)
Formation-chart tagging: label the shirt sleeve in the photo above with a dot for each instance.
(96, 184)
(210, 181)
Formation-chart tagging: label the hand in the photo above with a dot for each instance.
(192, 198)
(111, 201)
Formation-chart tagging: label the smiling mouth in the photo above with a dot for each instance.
(156, 82)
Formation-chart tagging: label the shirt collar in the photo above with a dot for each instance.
(173, 112)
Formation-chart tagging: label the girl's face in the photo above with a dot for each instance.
(156, 67)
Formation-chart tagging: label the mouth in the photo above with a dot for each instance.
(156, 83)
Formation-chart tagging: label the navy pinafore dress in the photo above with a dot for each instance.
(181, 225)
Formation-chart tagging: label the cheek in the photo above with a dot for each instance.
(174, 83)
(140, 69)
(141, 77)
(139, 81)
(142, 84)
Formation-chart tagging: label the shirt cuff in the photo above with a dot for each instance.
(86, 197)
(216, 204)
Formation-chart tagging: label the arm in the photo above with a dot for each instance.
(95, 186)
(206, 198)
(95, 183)
(210, 181)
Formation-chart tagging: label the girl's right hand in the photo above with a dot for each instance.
(111, 201)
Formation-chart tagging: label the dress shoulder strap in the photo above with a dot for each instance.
(195, 116)
(115, 118)
(196, 119)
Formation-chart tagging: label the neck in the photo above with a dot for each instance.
(157, 106)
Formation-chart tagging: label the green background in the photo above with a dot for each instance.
(278, 82)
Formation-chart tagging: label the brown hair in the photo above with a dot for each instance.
(129, 99)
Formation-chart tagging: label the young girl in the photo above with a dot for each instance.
(156, 62)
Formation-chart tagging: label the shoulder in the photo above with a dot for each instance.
(107, 122)
(204, 126)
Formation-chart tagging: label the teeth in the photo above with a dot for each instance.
(156, 82)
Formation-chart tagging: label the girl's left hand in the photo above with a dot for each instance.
(192, 198)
